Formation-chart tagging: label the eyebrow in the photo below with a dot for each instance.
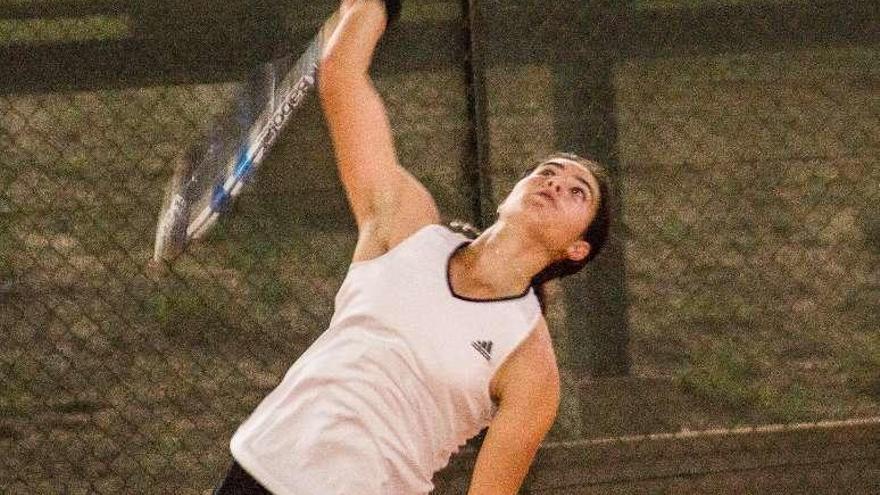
(578, 177)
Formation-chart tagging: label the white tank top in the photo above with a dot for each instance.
(396, 384)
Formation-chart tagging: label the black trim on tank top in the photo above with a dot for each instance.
(468, 299)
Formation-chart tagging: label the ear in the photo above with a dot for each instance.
(578, 250)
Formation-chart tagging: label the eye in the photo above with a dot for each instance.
(547, 171)
(577, 191)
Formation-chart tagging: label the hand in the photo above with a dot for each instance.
(392, 8)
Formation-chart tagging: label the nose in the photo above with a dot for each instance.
(554, 184)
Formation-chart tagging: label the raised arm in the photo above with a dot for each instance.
(527, 388)
(388, 203)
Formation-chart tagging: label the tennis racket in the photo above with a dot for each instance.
(212, 173)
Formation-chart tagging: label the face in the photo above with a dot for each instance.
(558, 200)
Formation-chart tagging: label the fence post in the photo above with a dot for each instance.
(585, 123)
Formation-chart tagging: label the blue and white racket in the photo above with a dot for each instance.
(213, 172)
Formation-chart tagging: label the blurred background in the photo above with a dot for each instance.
(727, 340)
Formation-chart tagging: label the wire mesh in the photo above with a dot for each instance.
(750, 183)
(117, 347)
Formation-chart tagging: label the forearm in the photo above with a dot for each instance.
(350, 41)
(503, 461)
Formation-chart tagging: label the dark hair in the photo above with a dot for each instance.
(596, 233)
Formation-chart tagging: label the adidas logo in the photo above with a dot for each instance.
(484, 347)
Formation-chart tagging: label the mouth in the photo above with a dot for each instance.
(549, 197)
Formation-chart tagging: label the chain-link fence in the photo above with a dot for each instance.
(741, 286)
(751, 187)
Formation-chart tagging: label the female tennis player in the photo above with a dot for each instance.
(434, 336)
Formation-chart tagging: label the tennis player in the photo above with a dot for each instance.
(434, 336)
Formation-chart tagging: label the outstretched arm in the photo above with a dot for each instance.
(388, 203)
(527, 387)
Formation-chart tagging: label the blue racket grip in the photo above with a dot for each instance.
(243, 169)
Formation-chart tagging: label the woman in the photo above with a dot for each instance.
(434, 336)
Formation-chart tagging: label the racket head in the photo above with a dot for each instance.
(213, 171)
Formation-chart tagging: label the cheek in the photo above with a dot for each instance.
(578, 219)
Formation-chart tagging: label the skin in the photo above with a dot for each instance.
(539, 222)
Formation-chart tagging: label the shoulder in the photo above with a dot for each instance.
(530, 374)
(425, 239)
(397, 219)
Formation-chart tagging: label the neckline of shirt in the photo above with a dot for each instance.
(455, 251)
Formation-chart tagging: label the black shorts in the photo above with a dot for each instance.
(239, 482)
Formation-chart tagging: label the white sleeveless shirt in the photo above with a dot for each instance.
(396, 384)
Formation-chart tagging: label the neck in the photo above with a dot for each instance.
(499, 263)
